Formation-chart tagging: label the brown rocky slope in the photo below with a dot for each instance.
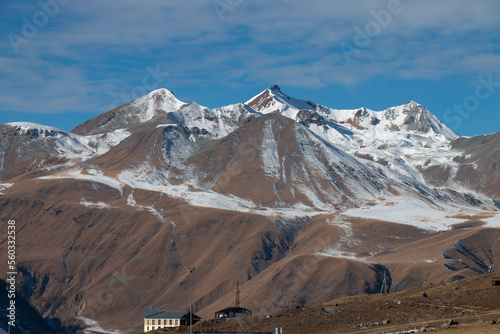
(467, 306)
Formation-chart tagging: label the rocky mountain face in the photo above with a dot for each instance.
(27, 319)
(301, 202)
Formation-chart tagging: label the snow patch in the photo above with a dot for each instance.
(345, 241)
(102, 143)
(493, 221)
(142, 178)
(130, 199)
(98, 205)
(132, 202)
(338, 253)
(93, 327)
(24, 126)
(4, 186)
(94, 177)
(409, 212)
(270, 156)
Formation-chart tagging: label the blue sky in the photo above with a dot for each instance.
(63, 62)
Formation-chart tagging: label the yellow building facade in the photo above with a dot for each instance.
(157, 319)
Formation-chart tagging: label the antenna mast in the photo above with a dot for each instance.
(237, 293)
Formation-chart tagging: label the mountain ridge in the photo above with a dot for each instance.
(278, 195)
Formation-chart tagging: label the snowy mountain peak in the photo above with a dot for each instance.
(160, 101)
(156, 104)
(162, 91)
(167, 96)
(407, 118)
(413, 116)
(273, 99)
(412, 103)
(275, 88)
(218, 122)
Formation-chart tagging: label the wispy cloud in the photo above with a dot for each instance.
(91, 52)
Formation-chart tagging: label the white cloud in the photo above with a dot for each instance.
(93, 51)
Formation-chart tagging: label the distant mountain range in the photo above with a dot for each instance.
(300, 201)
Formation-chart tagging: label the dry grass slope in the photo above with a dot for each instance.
(472, 304)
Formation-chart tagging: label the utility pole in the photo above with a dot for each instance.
(190, 302)
(237, 293)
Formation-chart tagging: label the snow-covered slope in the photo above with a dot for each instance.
(410, 118)
(217, 122)
(321, 159)
(273, 99)
(29, 140)
(401, 140)
(132, 115)
(69, 145)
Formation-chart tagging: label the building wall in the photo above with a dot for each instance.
(245, 314)
(151, 324)
(232, 314)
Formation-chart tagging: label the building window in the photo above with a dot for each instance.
(177, 322)
(170, 322)
(164, 321)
